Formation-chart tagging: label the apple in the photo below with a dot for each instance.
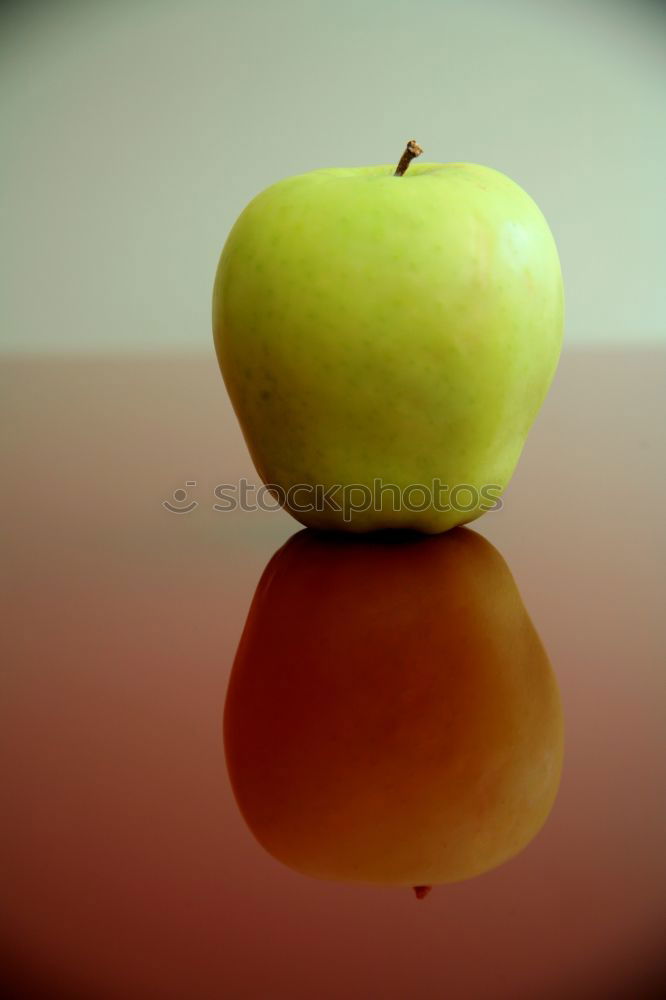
(381, 331)
(391, 716)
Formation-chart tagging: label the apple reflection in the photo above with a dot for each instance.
(392, 717)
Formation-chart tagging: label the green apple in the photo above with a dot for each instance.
(387, 338)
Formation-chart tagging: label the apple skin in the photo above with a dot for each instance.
(406, 328)
(391, 716)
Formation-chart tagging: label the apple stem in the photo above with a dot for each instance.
(412, 150)
(421, 891)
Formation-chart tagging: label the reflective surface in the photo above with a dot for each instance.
(391, 716)
(128, 870)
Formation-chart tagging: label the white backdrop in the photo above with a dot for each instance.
(133, 133)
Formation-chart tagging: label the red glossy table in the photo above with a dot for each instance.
(127, 870)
